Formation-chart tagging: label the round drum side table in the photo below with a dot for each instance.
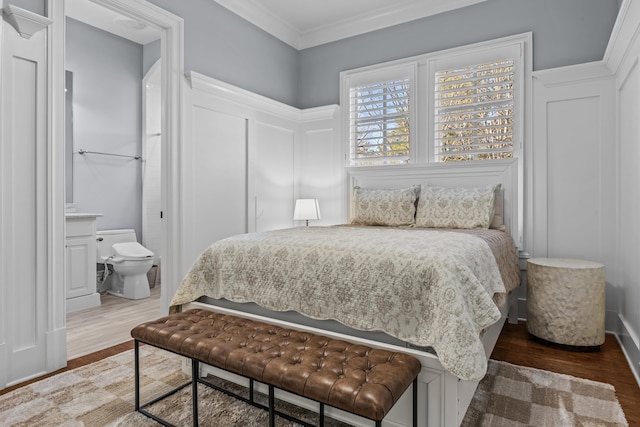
(566, 302)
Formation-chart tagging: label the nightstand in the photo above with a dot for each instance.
(566, 302)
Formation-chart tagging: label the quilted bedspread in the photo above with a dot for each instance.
(428, 287)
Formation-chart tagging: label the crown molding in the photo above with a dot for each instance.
(398, 13)
(25, 22)
(625, 31)
(245, 98)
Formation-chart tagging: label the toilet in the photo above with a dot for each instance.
(130, 261)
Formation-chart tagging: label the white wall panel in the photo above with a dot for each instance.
(629, 210)
(271, 159)
(573, 178)
(574, 169)
(244, 156)
(24, 207)
(319, 167)
(623, 57)
(215, 178)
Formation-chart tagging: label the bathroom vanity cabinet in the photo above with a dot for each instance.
(80, 261)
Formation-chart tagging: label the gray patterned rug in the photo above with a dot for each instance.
(101, 394)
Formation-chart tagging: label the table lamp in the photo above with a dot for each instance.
(306, 209)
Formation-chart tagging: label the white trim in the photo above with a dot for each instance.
(56, 331)
(254, 12)
(240, 96)
(378, 19)
(3, 291)
(572, 74)
(247, 99)
(623, 35)
(25, 22)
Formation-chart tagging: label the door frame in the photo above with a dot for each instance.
(171, 28)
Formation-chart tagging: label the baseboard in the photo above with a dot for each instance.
(80, 303)
(56, 342)
(3, 366)
(630, 347)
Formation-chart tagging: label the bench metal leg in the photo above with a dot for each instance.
(195, 375)
(415, 402)
(136, 352)
(321, 414)
(142, 407)
(272, 402)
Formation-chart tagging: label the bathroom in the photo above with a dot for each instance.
(112, 160)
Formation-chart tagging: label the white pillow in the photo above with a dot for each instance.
(456, 207)
(384, 207)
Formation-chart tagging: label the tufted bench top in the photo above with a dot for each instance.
(355, 378)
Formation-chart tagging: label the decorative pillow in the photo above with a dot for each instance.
(458, 207)
(384, 207)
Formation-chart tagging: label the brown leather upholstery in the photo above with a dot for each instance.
(356, 378)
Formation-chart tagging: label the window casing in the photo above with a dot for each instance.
(465, 105)
(380, 116)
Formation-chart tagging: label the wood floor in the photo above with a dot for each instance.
(607, 365)
(100, 329)
(109, 324)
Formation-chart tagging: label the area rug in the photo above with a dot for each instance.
(101, 394)
(511, 395)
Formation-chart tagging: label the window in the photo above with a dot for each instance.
(459, 105)
(473, 112)
(380, 117)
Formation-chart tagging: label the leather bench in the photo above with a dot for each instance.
(358, 379)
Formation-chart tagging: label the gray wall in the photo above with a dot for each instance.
(565, 32)
(224, 46)
(107, 112)
(219, 44)
(37, 6)
(150, 55)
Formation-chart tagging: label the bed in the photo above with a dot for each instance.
(425, 264)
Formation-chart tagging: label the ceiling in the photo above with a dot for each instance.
(299, 23)
(307, 23)
(106, 19)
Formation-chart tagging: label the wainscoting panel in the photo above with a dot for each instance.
(628, 280)
(320, 172)
(241, 157)
(215, 178)
(24, 207)
(574, 169)
(271, 155)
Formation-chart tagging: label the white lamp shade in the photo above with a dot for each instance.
(306, 209)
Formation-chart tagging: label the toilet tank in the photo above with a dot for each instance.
(106, 238)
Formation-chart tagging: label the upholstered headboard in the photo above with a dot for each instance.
(504, 172)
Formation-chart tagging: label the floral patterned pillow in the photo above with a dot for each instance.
(384, 207)
(457, 207)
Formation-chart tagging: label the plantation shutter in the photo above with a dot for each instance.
(379, 116)
(474, 112)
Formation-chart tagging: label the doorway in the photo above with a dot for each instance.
(170, 30)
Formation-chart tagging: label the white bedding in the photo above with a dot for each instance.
(428, 287)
